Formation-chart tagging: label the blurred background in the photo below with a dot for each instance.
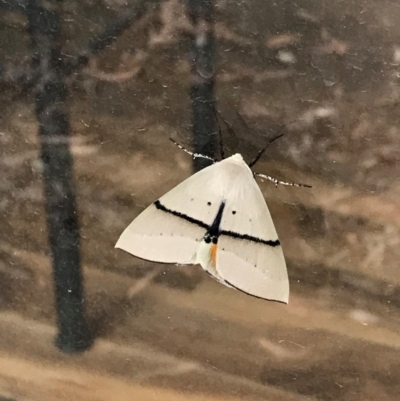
(99, 86)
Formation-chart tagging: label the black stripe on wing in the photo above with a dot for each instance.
(214, 228)
(183, 216)
(232, 234)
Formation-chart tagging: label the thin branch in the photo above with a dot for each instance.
(19, 5)
(109, 35)
(221, 142)
(28, 78)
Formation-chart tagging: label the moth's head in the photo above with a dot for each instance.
(237, 158)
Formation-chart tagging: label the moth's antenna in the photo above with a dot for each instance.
(280, 182)
(228, 126)
(261, 152)
(194, 155)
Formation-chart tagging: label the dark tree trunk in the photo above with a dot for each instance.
(202, 85)
(54, 133)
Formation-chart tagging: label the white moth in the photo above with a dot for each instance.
(217, 218)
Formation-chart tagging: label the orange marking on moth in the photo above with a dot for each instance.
(213, 254)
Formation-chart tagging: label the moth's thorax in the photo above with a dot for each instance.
(232, 177)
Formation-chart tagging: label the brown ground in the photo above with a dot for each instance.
(172, 333)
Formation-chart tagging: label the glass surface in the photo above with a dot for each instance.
(325, 73)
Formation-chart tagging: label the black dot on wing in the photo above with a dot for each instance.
(233, 211)
(209, 203)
